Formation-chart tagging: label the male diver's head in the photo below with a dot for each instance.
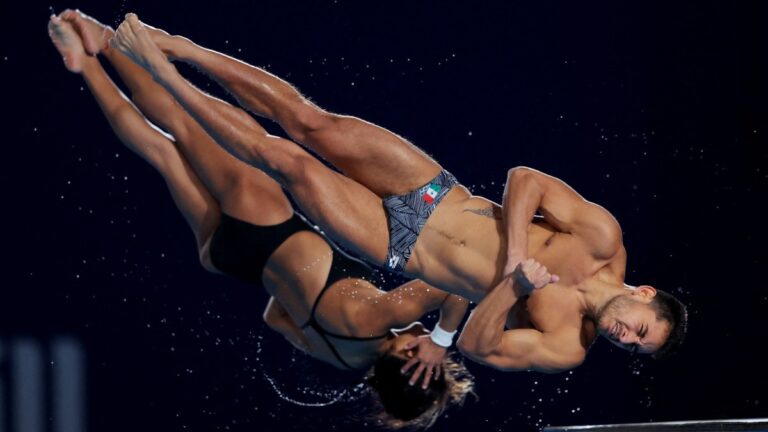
(405, 406)
(644, 320)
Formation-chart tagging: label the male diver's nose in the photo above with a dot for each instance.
(628, 337)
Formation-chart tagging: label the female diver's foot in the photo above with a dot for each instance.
(94, 34)
(68, 43)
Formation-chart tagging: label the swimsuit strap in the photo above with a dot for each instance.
(324, 334)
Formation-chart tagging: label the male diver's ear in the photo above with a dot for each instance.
(645, 291)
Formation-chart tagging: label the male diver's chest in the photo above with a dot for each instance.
(563, 255)
(549, 308)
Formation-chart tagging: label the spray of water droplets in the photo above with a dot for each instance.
(346, 395)
(120, 13)
(328, 396)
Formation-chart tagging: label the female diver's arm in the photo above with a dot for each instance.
(410, 302)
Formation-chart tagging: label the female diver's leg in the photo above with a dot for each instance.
(191, 197)
(348, 211)
(378, 159)
(241, 191)
(279, 320)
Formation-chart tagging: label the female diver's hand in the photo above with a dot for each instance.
(428, 355)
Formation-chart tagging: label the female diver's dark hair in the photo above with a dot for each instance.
(405, 406)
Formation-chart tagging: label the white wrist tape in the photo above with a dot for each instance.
(441, 337)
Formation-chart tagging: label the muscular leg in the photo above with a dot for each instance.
(240, 190)
(194, 202)
(348, 211)
(383, 162)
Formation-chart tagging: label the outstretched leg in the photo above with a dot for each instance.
(371, 155)
(348, 211)
(240, 190)
(192, 199)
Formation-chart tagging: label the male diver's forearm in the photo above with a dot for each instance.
(484, 329)
(522, 196)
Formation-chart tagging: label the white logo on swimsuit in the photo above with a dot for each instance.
(393, 261)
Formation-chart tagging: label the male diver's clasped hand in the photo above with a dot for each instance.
(428, 355)
(530, 275)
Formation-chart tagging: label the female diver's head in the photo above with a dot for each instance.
(405, 406)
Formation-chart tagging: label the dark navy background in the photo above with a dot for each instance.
(655, 110)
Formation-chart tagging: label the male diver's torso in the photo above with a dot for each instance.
(462, 250)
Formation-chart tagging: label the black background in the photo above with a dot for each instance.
(655, 110)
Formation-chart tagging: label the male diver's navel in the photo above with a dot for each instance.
(451, 238)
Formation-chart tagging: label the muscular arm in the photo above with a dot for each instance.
(483, 333)
(485, 340)
(528, 190)
(530, 349)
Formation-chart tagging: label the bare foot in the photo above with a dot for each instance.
(133, 40)
(66, 40)
(95, 35)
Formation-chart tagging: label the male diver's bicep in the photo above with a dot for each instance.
(529, 349)
(569, 212)
(560, 205)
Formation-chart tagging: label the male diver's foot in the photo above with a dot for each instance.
(133, 40)
(167, 43)
(94, 34)
(68, 43)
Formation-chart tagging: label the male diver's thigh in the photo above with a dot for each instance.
(380, 160)
(348, 212)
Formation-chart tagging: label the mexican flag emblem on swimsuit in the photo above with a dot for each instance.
(431, 193)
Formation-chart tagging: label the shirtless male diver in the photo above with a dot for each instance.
(467, 245)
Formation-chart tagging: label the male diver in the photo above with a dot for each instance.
(397, 207)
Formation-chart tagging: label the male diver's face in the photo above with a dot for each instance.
(631, 324)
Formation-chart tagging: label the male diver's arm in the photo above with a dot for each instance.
(528, 190)
(483, 334)
(277, 318)
(531, 350)
(521, 199)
